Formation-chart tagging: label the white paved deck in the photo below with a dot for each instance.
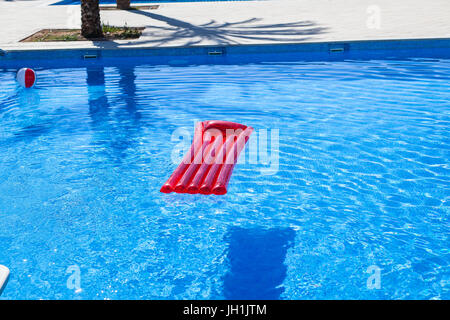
(237, 22)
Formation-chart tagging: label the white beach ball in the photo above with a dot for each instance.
(26, 77)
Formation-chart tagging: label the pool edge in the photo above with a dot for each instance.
(330, 47)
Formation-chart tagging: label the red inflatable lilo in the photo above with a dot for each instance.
(207, 166)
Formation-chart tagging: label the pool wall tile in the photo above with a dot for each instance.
(429, 48)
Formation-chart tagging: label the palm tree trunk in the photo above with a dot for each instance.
(91, 26)
(123, 4)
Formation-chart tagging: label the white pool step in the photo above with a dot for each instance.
(4, 275)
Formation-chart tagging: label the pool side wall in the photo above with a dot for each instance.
(233, 54)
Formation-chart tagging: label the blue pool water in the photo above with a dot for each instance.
(363, 182)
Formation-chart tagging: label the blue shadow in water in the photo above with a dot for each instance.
(116, 130)
(256, 259)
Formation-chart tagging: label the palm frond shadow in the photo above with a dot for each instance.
(214, 32)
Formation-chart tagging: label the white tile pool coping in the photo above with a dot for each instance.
(224, 23)
(4, 275)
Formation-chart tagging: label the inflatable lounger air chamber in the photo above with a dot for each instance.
(206, 168)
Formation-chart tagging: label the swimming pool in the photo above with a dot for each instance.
(362, 186)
